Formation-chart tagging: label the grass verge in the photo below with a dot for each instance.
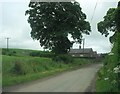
(17, 69)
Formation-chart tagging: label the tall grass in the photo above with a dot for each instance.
(18, 69)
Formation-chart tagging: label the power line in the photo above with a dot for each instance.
(94, 10)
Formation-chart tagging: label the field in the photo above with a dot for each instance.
(20, 67)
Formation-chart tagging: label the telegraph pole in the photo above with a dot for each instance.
(7, 43)
(83, 44)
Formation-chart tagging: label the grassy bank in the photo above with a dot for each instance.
(19, 69)
(108, 76)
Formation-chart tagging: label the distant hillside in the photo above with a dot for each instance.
(25, 52)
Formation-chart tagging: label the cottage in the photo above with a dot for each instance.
(87, 52)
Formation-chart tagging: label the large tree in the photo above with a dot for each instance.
(52, 22)
(111, 23)
(108, 24)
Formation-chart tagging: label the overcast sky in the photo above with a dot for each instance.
(15, 26)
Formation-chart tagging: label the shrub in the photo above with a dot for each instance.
(42, 54)
(14, 52)
(110, 63)
(4, 51)
(63, 58)
(8, 52)
(21, 68)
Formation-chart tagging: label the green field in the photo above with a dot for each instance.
(21, 68)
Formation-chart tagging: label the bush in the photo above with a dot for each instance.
(4, 51)
(8, 52)
(110, 62)
(21, 69)
(42, 54)
(63, 58)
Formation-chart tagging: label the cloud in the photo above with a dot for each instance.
(15, 26)
(97, 41)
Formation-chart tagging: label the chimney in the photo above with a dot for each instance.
(80, 47)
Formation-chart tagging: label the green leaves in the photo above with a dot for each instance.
(117, 17)
(51, 22)
(108, 24)
(111, 22)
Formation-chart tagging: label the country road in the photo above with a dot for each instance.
(71, 81)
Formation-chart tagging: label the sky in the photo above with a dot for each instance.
(15, 26)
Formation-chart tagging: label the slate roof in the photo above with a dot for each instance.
(86, 50)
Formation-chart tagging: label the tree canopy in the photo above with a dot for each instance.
(117, 17)
(111, 23)
(108, 24)
(52, 22)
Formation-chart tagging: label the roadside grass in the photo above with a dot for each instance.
(103, 86)
(18, 69)
(108, 79)
(10, 80)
